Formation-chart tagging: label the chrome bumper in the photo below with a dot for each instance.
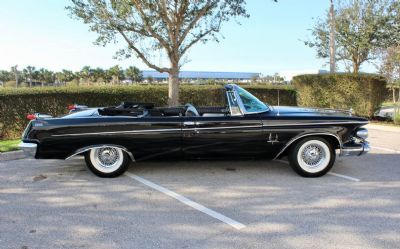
(28, 148)
(355, 149)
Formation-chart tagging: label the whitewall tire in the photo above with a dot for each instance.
(107, 161)
(312, 157)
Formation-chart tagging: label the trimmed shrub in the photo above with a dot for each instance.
(364, 93)
(17, 103)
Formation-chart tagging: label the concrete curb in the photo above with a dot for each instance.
(12, 155)
(383, 128)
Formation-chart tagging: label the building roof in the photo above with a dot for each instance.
(201, 75)
(288, 75)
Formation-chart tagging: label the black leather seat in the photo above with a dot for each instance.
(191, 111)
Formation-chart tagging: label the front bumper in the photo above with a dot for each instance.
(28, 148)
(355, 149)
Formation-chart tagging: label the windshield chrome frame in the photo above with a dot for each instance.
(228, 99)
(241, 105)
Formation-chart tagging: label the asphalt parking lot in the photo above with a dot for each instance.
(204, 204)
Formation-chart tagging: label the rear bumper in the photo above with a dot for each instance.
(355, 149)
(29, 149)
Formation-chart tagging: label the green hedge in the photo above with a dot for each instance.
(17, 103)
(364, 93)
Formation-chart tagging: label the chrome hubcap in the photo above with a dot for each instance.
(106, 159)
(107, 156)
(312, 155)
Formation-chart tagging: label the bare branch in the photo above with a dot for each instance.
(210, 4)
(194, 41)
(149, 28)
(141, 55)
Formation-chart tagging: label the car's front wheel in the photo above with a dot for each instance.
(312, 157)
(107, 161)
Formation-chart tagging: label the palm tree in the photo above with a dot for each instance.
(116, 73)
(134, 74)
(14, 69)
(5, 76)
(98, 73)
(85, 73)
(45, 76)
(29, 73)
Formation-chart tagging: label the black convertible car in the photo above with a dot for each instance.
(111, 137)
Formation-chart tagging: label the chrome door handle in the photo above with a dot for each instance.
(189, 123)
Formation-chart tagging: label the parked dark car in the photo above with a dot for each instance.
(112, 137)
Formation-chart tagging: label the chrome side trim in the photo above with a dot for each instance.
(156, 131)
(308, 135)
(200, 128)
(29, 149)
(115, 132)
(321, 123)
(189, 123)
(222, 128)
(84, 149)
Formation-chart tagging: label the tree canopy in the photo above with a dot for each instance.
(362, 27)
(148, 27)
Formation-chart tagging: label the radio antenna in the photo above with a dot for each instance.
(278, 102)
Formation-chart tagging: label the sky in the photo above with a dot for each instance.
(41, 33)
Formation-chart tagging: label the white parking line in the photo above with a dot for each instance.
(188, 202)
(344, 176)
(385, 149)
(330, 173)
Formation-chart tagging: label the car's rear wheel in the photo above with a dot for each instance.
(312, 157)
(107, 161)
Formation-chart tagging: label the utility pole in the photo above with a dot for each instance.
(332, 47)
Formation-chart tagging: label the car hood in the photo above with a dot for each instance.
(305, 111)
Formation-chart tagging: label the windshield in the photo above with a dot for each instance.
(251, 104)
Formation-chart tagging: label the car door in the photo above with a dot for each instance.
(222, 136)
(156, 137)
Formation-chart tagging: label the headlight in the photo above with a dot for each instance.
(362, 133)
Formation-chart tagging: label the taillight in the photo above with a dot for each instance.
(37, 116)
(31, 116)
(76, 107)
(71, 107)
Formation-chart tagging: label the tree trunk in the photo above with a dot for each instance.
(394, 94)
(399, 96)
(173, 88)
(16, 78)
(356, 67)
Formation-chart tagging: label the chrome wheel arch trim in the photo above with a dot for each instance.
(291, 141)
(98, 146)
